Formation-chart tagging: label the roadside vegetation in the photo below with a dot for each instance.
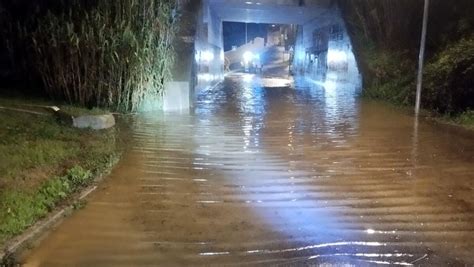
(92, 55)
(109, 54)
(465, 119)
(386, 36)
(43, 162)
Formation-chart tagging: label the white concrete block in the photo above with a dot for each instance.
(97, 122)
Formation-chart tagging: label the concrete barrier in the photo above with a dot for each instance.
(96, 122)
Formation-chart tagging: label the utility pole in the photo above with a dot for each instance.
(419, 83)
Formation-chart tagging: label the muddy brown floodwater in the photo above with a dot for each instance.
(278, 176)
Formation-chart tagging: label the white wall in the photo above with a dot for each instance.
(209, 49)
(339, 52)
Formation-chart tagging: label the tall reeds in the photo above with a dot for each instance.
(110, 54)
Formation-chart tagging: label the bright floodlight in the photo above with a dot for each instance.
(207, 56)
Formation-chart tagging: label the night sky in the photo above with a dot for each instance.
(234, 33)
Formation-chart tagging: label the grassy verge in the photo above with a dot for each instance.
(465, 119)
(42, 163)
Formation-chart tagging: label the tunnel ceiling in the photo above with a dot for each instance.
(270, 11)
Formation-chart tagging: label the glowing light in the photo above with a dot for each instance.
(247, 78)
(330, 85)
(300, 55)
(214, 253)
(248, 56)
(205, 77)
(370, 231)
(207, 56)
(276, 82)
(337, 56)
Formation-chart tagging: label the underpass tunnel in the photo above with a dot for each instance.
(322, 50)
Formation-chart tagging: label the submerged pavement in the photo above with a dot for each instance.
(278, 176)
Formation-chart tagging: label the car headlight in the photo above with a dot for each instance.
(248, 56)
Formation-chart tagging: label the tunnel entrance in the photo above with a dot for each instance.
(266, 50)
(310, 36)
(311, 32)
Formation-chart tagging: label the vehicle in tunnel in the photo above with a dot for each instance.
(269, 52)
(251, 62)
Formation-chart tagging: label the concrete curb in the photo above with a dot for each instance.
(41, 226)
(96, 122)
(24, 111)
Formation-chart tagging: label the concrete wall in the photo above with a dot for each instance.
(324, 50)
(200, 53)
(209, 49)
(199, 57)
(178, 93)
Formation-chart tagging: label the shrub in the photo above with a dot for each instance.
(386, 35)
(392, 76)
(449, 86)
(111, 54)
(52, 191)
(466, 118)
(78, 176)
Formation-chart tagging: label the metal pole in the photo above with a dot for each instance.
(419, 83)
(246, 34)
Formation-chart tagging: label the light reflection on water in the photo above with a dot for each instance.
(258, 106)
(261, 176)
(326, 113)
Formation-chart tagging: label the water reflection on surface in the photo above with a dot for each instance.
(288, 176)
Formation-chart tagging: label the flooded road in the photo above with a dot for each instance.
(278, 176)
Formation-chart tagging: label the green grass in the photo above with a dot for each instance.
(20, 209)
(42, 162)
(465, 119)
(78, 111)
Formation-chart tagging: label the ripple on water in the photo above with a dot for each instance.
(280, 176)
